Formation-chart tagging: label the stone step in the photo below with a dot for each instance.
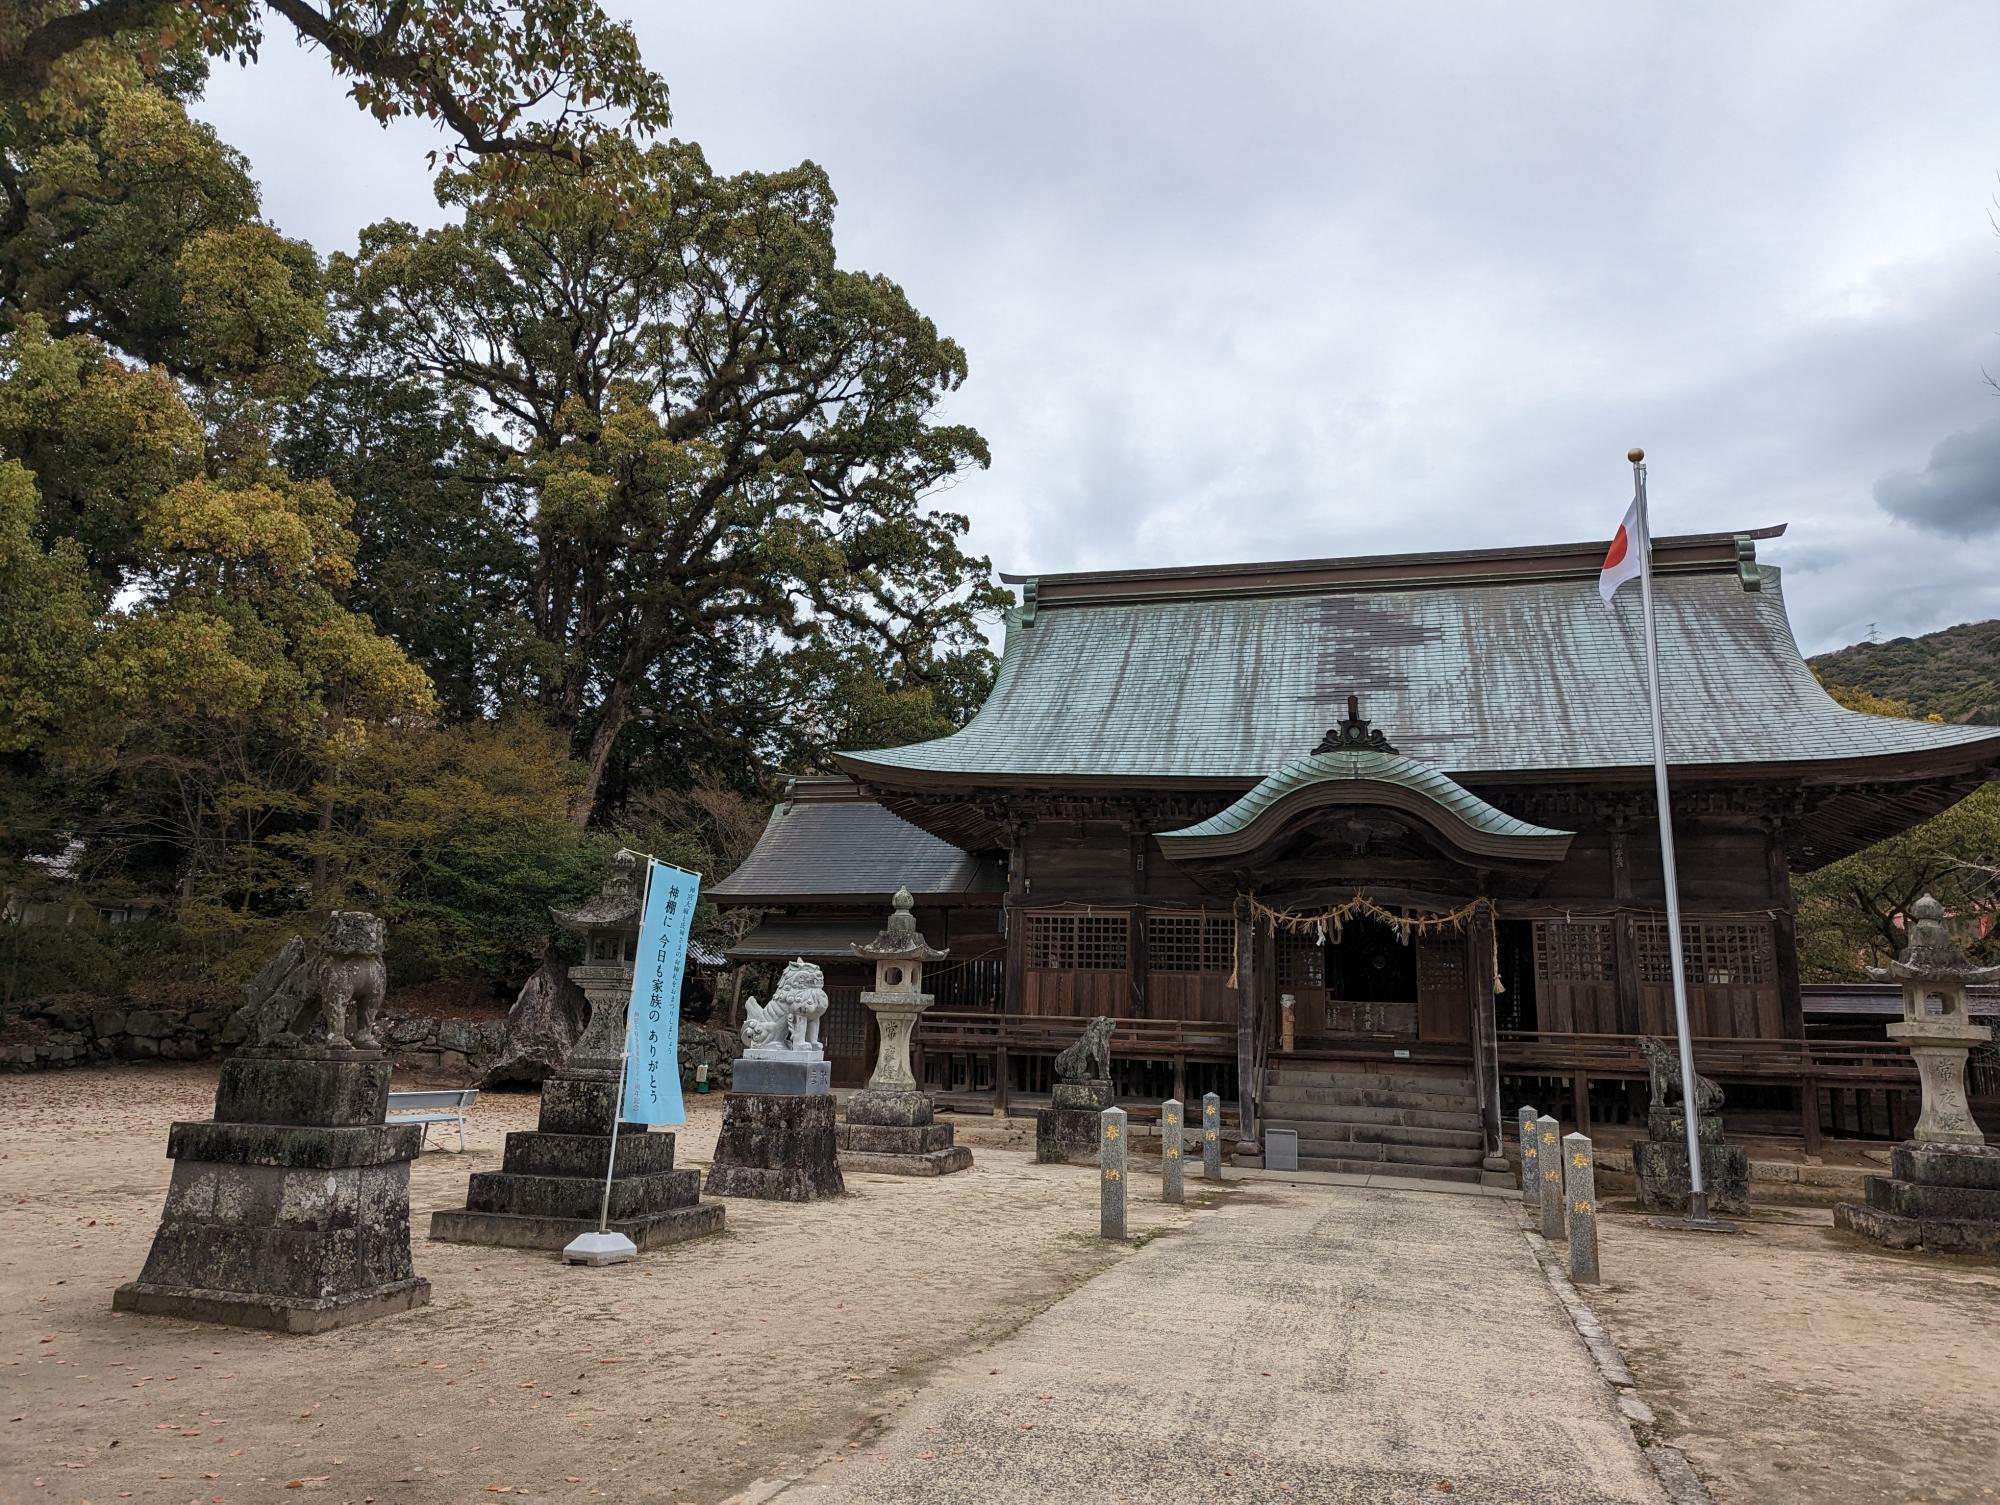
(1409, 1154)
(1335, 1131)
(533, 1153)
(1446, 1105)
(579, 1196)
(1350, 1167)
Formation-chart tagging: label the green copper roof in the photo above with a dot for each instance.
(1369, 777)
(1492, 678)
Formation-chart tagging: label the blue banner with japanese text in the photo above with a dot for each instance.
(653, 1024)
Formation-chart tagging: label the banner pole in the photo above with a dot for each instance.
(1690, 1104)
(624, 1056)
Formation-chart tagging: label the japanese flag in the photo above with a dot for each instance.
(1622, 559)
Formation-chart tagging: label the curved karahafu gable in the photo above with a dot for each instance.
(1501, 666)
(1381, 780)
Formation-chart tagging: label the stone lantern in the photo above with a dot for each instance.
(551, 1185)
(608, 924)
(891, 1124)
(1943, 1190)
(1935, 1025)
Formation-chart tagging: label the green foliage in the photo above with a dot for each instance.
(1953, 674)
(124, 219)
(1848, 911)
(549, 77)
(720, 443)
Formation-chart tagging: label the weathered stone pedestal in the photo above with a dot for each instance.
(290, 1210)
(1944, 1198)
(550, 1185)
(897, 1134)
(1661, 1161)
(1067, 1131)
(779, 1147)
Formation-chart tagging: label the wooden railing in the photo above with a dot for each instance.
(1526, 1052)
(998, 1041)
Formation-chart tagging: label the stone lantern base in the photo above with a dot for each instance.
(550, 1186)
(897, 1134)
(1944, 1198)
(290, 1210)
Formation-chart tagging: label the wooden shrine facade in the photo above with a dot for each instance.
(1389, 810)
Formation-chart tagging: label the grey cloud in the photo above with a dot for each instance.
(1296, 279)
(1957, 494)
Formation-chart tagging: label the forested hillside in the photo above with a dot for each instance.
(1954, 673)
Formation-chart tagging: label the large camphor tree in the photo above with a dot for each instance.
(704, 452)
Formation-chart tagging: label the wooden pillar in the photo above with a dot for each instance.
(1480, 968)
(1249, 1020)
(1809, 1114)
(1784, 931)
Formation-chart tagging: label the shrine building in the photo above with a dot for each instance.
(1382, 825)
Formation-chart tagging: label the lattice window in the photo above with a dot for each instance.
(844, 1029)
(1718, 953)
(1441, 965)
(1301, 961)
(1189, 943)
(1078, 942)
(1574, 951)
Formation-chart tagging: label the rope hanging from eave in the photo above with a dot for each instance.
(1406, 921)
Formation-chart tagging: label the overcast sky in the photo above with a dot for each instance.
(1296, 280)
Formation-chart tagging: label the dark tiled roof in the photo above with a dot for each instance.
(811, 940)
(1489, 676)
(826, 841)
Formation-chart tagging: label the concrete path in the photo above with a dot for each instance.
(1295, 1345)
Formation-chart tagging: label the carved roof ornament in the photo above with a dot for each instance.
(1355, 734)
(900, 937)
(1932, 955)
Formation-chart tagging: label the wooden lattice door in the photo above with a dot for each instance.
(1444, 1001)
(1576, 977)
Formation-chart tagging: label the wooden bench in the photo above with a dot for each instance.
(427, 1108)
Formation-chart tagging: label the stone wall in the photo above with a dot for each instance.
(79, 1031)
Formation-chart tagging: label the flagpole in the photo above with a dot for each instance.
(624, 1056)
(1690, 1101)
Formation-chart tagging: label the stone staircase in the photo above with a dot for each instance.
(1360, 1120)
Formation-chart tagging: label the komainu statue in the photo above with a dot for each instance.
(1094, 1049)
(790, 1021)
(1663, 1076)
(349, 976)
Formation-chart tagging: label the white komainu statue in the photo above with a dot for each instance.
(791, 1019)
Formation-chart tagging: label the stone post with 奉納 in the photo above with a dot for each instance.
(1942, 1192)
(1066, 1130)
(1548, 1165)
(1112, 1163)
(1173, 1166)
(1531, 1176)
(891, 1123)
(1580, 1192)
(290, 1209)
(1211, 1137)
(550, 1186)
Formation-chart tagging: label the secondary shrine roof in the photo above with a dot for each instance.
(825, 840)
(1489, 664)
